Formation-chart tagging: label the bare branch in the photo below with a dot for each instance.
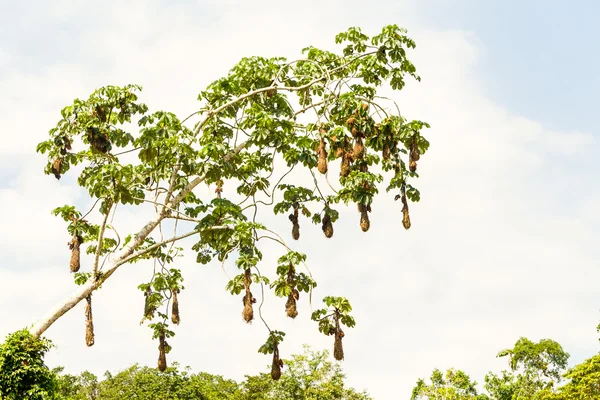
(157, 245)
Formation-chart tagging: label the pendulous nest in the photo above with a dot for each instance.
(248, 300)
(365, 223)
(413, 155)
(74, 246)
(359, 149)
(277, 363)
(175, 308)
(405, 214)
(345, 165)
(290, 305)
(385, 153)
(327, 226)
(56, 165)
(89, 322)
(162, 352)
(149, 309)
(295, 226)
(338, 349)
(322, 153)
(98, 140)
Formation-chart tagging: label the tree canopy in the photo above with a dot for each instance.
(311, 376)
(23, 374)
(321, 115)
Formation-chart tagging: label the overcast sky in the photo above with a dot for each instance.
(503, 243)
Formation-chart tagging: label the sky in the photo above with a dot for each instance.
(503, 242)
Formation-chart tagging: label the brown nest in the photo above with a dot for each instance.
(89, 322)
(405, 214)
(248, 312)
(365, 224)
(327, 226)
(295, 226)
(74, 246)
(175, 308)
(56, 164)
(277, 363)
(413, 155)
(162, 352)
(322, 153)
(149, 309)
(359, 149)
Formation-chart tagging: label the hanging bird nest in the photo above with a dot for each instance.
(295, 226)
(248, 300)
(322, 154)
(327, 226)
(175, 308)
(162, 352)
(74, 246)
(277, 363)
(89, 322)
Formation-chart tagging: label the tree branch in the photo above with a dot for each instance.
(99, 245)
(84, 290)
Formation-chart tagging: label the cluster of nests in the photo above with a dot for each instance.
(248, 315)
(64, 144)
(97, 138)
(163, 346)
(290, 309)
(74, 265)
(149, 310)
(326, 224)
(352, 153)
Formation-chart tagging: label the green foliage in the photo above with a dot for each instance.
(273, 340)
(147, 383)
(584, 381)
(308, 376)
(547, 357)
(23, 374)
(77, 387)
(453, 385)
(339, 309)
(535, 370)
(266, 113)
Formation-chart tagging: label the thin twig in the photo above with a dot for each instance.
(100, 239)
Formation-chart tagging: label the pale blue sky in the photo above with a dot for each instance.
(542, 56)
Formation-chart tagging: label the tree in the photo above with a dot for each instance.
(310, 376)
(76, 387)
(23, 374)
(246, 129)
(535, 371)
(147, 383)
(453, 385)
(584, 381)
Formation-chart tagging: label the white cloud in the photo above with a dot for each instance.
(497, 249)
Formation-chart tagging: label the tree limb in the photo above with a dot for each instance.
(87, 288)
